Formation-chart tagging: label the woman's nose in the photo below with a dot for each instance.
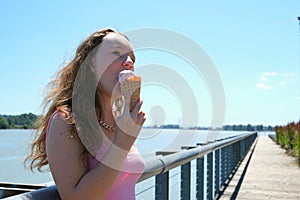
(128, 63)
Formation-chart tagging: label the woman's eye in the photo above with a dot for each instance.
(117, 53)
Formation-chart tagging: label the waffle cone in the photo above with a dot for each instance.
(132, 84)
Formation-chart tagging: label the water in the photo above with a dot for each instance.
(14, 143)
(13, 149)
(152, 140)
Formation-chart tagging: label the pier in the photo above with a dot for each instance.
(270, 174)
(247, 166)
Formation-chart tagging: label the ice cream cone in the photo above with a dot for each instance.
(132, 84)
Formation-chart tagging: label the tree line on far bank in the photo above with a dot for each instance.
(239, 127)
(23, 121)
(26, 121)
(248, 127)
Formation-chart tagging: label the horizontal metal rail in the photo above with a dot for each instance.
(9, 189)
(160, 164)
(48, 193)
(222, 159)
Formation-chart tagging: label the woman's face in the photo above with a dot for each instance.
(114, 54)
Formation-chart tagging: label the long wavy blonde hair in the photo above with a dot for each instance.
(59, 96)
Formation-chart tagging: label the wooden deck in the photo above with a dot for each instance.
(270, 174)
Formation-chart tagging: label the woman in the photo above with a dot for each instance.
(89, 147)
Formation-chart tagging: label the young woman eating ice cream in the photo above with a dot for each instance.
(89, 148)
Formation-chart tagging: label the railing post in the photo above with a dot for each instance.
(231, 159)
(162, 180)
(223, 165)
(242, 148)
(236, 154)
(186, 177)
(217, 172)
(227, 163)
(185, 181)
(210, 172)
(200, 179)
(162, 186)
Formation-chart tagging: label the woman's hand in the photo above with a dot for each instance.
(129, 124)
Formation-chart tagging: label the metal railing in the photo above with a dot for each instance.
(222, 160)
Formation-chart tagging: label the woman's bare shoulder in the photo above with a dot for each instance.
(59, 124)
(61, 133)
(64, 151)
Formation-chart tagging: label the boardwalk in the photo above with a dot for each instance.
(271, 174)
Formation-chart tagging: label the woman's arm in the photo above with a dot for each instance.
(70, 174)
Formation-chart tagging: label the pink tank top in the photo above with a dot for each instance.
(124, 185)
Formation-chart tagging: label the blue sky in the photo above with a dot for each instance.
(255, 46)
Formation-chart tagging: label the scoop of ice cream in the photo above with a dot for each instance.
(125, 74)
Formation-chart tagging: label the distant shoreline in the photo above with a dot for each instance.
(23, 121)
(148, 127)
(26, 121)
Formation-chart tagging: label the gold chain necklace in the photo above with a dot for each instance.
(107, 126)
